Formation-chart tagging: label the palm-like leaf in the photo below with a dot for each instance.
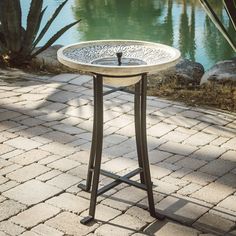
(215, 19)
(48, 24)
(230, 6)
(33, 22)
(55, 37)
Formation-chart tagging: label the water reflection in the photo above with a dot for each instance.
(181, 23)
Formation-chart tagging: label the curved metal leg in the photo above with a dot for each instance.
(98, 84)
(137, 115)
(145, 161)
(86, 187)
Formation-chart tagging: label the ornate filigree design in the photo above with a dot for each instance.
(149, 54)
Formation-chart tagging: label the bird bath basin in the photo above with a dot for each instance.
(121, 62)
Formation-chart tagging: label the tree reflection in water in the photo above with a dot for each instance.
(180, 23)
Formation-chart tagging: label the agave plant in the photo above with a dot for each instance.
(230, 7)
(18, 44)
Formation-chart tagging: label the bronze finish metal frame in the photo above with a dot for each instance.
(94, 167)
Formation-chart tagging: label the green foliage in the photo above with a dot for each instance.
(18, 44)
(230, 7)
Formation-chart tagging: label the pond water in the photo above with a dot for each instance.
(179, 23)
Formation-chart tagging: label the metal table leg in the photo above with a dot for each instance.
(96, 150)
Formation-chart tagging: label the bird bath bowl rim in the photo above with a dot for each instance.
(156, 57)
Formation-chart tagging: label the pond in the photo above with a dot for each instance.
(179, 23)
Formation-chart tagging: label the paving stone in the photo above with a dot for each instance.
(4, 148)
(9, 169)
(32, 192)
(218, 167)
(208, 153)
(181, 210)
(159, 172)
(10, 228)
(176, 136)
(63, 77)
(29, 157)
(3, 234)
(8, 185)
(9, 115)
(170, 228)
(129, 222)
(199, 177)
(175, 181)
(63, 164)
(189, 189)
(50, 159)
(30, 122)
(181, 172)
(178, 148)
(164, 187)
(182, 121)
(49, 175)
(64, 181)
(60, 137)
(160, 129)
(140, 213)
(35, 215)
(11, 154)
(228, 203)
(23, 143)
(69, 129)
(191, 163)
(10, 208)
(108, 229)
(228, 179)
(104, 213)
(220, 131)
(224, 213)
(200, 139)
(69, 202)
(229, 156)
(118, 164)
(70, 224)
(62, 96)
(27, 172)
(219, 141)
(80, 171)
(58, 149)
(231, 144)
(81, 157)
(157, 156)
(213, 223)
(84, 112)
(29, 233)
(45, 230)
(213, 193)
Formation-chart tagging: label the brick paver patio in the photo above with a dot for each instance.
(46, 124)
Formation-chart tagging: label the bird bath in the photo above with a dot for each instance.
(121, 62)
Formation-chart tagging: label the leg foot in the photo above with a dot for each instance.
(159, 216)
(86, 220)
(83, 187)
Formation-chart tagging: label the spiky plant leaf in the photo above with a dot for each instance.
(13, 18)
(38, 25)
(48, 24)
(230, 6)
(32, 24)
(218, 23)
(55, 37)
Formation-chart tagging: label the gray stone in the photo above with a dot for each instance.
(221, 71)
(184, 73)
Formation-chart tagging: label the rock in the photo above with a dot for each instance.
(186, 73)
(48, 60)
(221, 72)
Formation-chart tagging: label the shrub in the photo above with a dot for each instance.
(18, 44)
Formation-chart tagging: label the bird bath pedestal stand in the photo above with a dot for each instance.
(118, 63)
